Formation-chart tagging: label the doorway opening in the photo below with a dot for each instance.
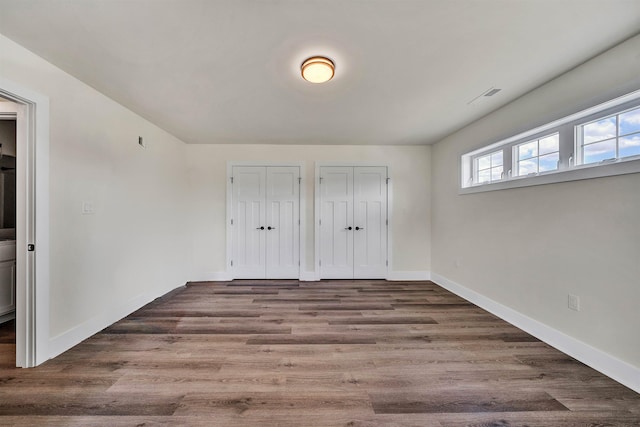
(7, 238)
(24, 185)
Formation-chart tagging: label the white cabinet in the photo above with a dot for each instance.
(266, 222)
(7, 278)
(7, 287)
(353, 222)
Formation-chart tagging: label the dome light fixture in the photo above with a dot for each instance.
(317, 69)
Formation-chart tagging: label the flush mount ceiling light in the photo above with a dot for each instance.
(317, 69)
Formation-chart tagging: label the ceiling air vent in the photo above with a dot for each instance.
(492, 92)
(489, 92)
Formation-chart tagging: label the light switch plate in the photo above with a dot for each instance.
(574, 302)
(87, 208)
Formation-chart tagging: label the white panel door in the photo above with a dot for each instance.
(353, 222)
(266, 222)
(282, 223)
(336, 226)
(249, 222)
(370, 222)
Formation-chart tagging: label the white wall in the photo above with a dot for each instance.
(136, 245)
(527, 248)
(409, 171)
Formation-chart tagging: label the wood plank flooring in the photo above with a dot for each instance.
(330, 353)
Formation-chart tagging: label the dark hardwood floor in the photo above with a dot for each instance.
(330, 353)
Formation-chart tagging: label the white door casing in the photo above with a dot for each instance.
(353, 222)
(266, 222)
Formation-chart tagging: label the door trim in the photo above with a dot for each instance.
(32, 225)
(303, 213)
(316, 214)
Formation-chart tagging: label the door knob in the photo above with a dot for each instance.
(271, 228)
(260, 228)
(348, 228)
(359, 228)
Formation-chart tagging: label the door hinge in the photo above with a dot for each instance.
(299, 180)
(388, 180)
(387, 263)
(231, 221)
(232, 180)
(319, 222)
(298, 263)
(319, 262)
(231, 263)
(298, 222)
(320, 180)
(386, 222)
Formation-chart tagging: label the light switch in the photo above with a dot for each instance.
(87, 208)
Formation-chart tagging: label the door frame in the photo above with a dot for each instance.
(32, 222)
(316, 191)
(302, 206)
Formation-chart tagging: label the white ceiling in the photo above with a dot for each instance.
(228, 71)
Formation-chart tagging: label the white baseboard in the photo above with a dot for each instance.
(409, 275)
(214, 276)
(74, 336)
(309, 276)
(7, 317)
(609, 365)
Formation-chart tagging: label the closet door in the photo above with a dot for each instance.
(336, 226)
(249, 216)
(282, 223)
(370, 222)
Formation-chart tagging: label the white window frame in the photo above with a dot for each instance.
(595, 118)
(569, 167)
(516, 157)
(476, 167)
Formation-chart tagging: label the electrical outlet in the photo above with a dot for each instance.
(574, 302)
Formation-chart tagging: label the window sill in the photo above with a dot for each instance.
(620, 167)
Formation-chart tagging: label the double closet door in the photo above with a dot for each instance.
(266, 222)
(353, 222)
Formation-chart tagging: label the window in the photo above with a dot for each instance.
(610, 138)
(600, 141)
(540, 155)
(489, 167)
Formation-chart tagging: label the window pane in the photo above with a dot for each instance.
(597, 131)
(496, 173)
(549, 162)
(484, 176)
(496, 159)
(629, 145)
(528, 150)
(630, 122)
(526, 167)
(549, 144)
(483, 162)
(599, 151)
